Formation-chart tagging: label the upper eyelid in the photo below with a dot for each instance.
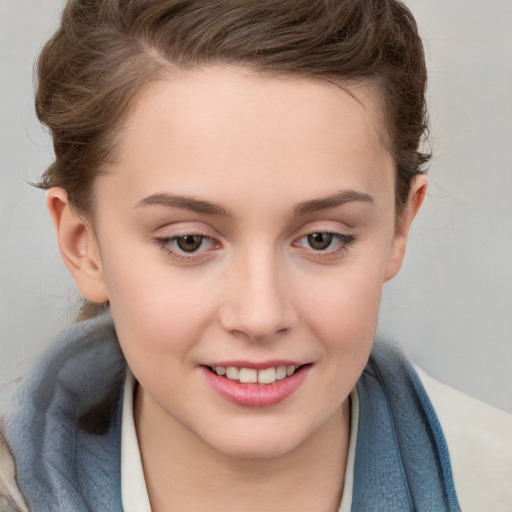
(172, 231)
(178, 230)
(333, 231)
(324, 225)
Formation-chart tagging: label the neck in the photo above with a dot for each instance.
(182, 470)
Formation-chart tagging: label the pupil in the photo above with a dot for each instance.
(320, 241)
(189, 243)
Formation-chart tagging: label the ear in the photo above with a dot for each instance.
(78, 246)
(415, 199)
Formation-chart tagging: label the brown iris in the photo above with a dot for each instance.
(189, 243)
(320, 241)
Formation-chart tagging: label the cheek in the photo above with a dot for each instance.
(343, 314)
(347, 300)
(156, 308)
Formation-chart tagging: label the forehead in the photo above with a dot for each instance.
(228, 125)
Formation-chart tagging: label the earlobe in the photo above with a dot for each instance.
(415, 199)
(78, 246)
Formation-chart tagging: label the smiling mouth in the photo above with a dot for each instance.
(253, 376)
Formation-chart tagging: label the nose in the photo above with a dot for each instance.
(258, 301)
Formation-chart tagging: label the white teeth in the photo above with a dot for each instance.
(247, 375)
(232, 373)
(250, 375)
(267, 376)
(290, 370)
(280, 372)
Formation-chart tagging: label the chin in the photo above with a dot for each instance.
(256, 445)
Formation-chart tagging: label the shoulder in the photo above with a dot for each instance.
(10, 496)
(61, 432)
(479, 439)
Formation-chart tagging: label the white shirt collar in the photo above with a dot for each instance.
(133, 485)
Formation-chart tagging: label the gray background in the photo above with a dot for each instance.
(451, 305)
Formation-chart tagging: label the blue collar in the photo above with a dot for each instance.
(402, 461)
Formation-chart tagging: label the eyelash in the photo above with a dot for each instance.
(165, 243)
(344, 242)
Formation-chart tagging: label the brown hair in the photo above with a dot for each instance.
(106, 51)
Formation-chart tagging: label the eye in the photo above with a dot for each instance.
(323, 241)
(185, 247)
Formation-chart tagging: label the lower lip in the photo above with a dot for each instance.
(256, 395)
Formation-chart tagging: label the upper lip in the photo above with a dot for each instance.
(255, 365)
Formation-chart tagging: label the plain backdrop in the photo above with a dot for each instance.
(451, 305)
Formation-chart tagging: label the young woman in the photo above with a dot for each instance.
(234, 182)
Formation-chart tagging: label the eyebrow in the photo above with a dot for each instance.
(184, 203)
(209, 208)
(333, 201)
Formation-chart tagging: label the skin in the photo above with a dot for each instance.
(255, 290)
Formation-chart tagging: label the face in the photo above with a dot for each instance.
(247, 227)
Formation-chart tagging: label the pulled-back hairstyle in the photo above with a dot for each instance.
(106, 51)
